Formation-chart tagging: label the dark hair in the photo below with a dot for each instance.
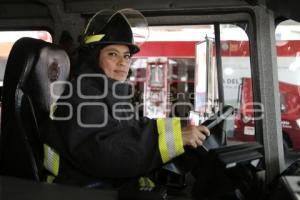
(86, 57)
(65, 37)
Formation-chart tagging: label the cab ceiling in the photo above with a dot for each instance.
(40, 8)
(44, 8)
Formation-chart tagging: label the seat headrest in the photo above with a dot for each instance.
(33, 65)
(47, 79)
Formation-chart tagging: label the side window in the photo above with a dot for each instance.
(288, 61)
(237, 84)
(170, 80)
(8, 38)
(163, 72)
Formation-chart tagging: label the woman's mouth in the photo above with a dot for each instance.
(120, 72)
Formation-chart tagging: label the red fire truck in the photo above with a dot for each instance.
(290, 114)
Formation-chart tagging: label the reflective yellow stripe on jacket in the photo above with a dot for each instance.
(169, 139)
(146, 184)
(53, 108)
(51, 160)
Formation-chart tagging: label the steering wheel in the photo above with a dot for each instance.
(212, 142)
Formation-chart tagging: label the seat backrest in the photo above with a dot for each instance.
(32, 66)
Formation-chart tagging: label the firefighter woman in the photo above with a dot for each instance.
(94, 135)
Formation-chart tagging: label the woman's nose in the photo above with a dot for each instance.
(123, 61)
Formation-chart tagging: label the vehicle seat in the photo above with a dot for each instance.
(32, 66)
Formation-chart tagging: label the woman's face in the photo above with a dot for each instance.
(115, 61)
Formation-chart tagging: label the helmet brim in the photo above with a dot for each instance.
(133, 49)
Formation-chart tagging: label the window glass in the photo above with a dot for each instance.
(237, 84)
(8, 38)
(165, 77)
(163, 72)
(288, 61)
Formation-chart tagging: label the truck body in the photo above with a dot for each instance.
(290, 114)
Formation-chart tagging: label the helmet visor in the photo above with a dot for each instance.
(138, 24)
(97, 23)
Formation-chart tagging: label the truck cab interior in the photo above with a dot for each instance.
(215, 44)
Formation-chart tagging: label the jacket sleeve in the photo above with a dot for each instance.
(102, 146)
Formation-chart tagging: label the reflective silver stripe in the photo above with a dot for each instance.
(51, 160)
(170, 138)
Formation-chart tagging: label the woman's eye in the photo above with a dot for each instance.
(112, 54)
(127, 57)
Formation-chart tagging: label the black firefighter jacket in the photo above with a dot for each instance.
(94, 134)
